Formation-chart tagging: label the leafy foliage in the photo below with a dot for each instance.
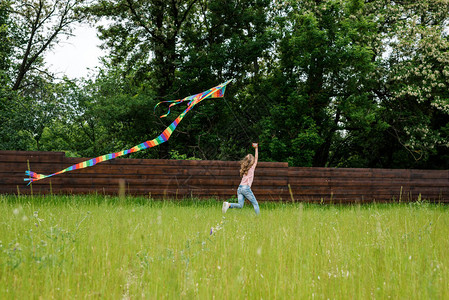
(317, 83)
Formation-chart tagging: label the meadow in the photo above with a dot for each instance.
(84, 247)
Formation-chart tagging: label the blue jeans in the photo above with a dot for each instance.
(244, 191)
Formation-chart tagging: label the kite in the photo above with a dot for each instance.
(215, 92)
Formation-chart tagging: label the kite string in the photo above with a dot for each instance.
(236, 118)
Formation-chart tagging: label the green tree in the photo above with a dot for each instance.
(322, 81)
(28, 103)
(410, 132)
(168, 50)
(225, 40)
(143, 37)
(11, 117)
(417, 100)
(77, 129)
(5, 42)
(41, 24)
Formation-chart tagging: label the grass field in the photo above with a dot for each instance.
(78, 247)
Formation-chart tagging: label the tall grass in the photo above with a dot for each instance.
(100, 247)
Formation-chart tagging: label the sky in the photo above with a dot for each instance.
(76, 56)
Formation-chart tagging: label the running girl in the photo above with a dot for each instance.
(247, 168)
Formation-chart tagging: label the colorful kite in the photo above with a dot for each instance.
(215, 92)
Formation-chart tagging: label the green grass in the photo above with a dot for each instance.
(70, 247)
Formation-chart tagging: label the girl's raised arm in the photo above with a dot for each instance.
(256, 156)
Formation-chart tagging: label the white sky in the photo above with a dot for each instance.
(77, 55)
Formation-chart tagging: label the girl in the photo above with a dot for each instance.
(247, 167)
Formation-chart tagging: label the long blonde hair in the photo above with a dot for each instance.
(246, 164)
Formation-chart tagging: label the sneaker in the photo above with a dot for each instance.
(225, 207)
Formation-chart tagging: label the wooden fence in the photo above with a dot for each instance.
(178, 179)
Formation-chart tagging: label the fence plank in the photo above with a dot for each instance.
(180, 178)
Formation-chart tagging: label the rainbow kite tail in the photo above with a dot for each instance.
(215, 92)
(32, 176)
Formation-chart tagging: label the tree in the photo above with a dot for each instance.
(42, 24)
(78, 128)
(28, 103)
(348, 83)
(11, 115)
(226, 40)
(417, 103)
(5, 42)
(143, 37)
(322, 81)
(168, 50)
